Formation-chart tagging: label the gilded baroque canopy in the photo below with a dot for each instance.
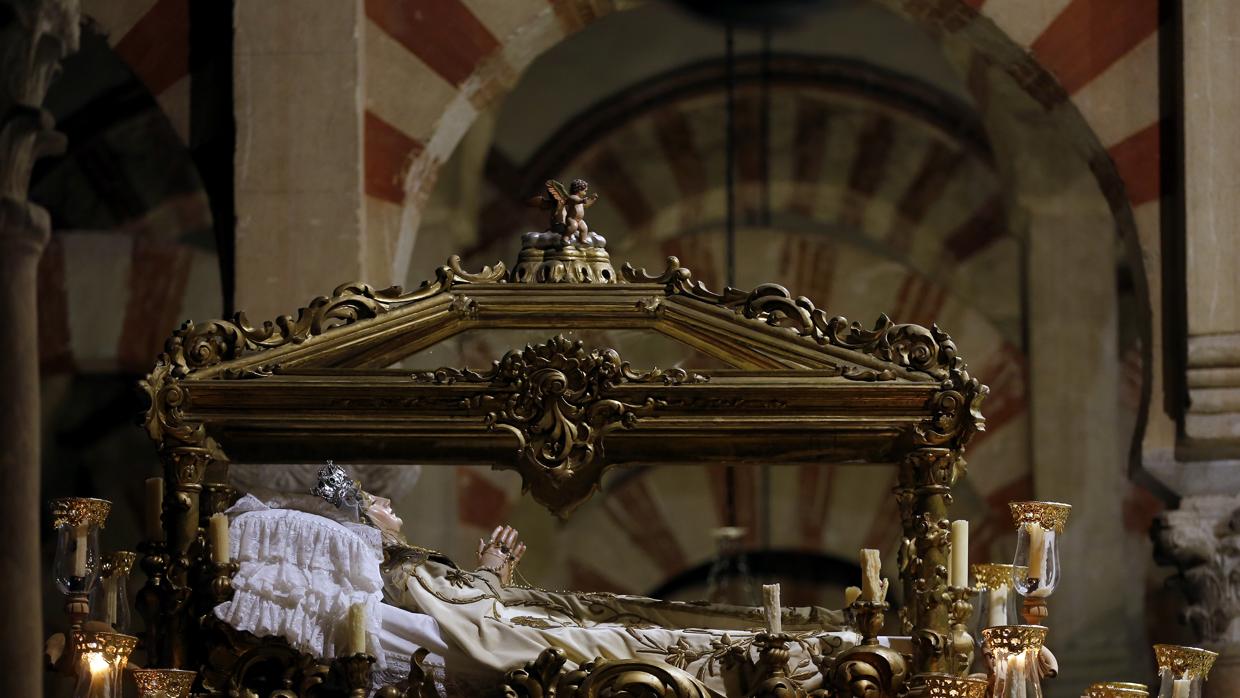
(801, 387)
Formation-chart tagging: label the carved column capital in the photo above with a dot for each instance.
(1202, 540)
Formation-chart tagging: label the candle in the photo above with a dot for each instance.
(770, 604)
(851, 594)
(218, 537)
(357, 629)
(154, 508)
(958, 572)
(873, 588)
(1037, 555)
(1016, 675)
(79, 551)
(109, 599)
(1180, 688)
(998, 598)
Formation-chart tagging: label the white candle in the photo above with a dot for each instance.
(958, 572)
(1037, 557)
(871, 579)
(109, 599)
(357, 629)
(154, 508)
(1180, 688)
(851, 594)
(771, 607)
(998, 598)
(218, 536)
(1016, 675)
(79, 551)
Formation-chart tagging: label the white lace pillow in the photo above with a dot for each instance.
(299, 574)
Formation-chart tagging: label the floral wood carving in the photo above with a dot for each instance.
(921, 351)
(557, 399)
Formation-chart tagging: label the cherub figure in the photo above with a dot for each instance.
(568, 223)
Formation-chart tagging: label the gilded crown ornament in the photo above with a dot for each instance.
(1052, 516)
(1185, 662)
(993, 575)
(337, 487)
(76, 512)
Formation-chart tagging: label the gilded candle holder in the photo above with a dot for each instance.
(948, 686)
(1182, 671)
(1038, 528)
(101, 658)
(77, 564)
(112, 591)
(163, 683)
(357, 669)
(1013, 651)
(1117, 689)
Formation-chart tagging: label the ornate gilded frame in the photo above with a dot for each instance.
(804, 388)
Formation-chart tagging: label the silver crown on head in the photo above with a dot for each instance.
(337, 487)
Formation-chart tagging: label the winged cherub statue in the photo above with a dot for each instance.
(568, 223)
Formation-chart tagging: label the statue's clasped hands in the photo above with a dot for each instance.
(502, 553)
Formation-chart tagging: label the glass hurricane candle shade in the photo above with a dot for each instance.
(1038, 527)
(1012, 652)
(109, 601)
(101, 663)
(77, 521)
(996, 602)
(1182, 671)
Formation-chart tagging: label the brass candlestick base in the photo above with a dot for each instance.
(1034, 611)
(962, 642)
(870, 615)
(150, 597)
(356, 670)
(77, 607)
(221, 581)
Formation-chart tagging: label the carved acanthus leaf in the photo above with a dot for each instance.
(558, 400)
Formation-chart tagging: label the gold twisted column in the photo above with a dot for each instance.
(924, 496)
(35, 36)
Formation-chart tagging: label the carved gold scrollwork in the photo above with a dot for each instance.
(195, 347)
(919, 350)
(545, 677)
(557, 399)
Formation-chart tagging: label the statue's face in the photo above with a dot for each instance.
(380, 512)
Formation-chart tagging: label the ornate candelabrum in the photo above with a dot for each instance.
(101, 660)
(1116, 689)
(1182, 671)
(163, 683)
(1039, 525)
(1012, 652)
(77, 564)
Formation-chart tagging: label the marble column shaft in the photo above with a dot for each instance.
(37, 36)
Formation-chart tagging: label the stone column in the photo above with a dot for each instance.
(1202, 536)
(35, 35)
(1211, 159)
(299, 176)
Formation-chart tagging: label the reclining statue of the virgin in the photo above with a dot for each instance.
(488, 625)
